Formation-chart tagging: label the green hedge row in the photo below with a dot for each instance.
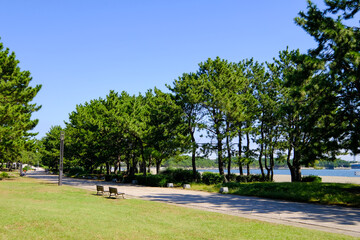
(180, 176)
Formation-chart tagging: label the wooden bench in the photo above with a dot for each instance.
(100, 189)
(114, 191)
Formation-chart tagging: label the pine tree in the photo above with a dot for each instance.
(16, 107)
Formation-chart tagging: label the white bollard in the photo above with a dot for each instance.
(170, 185)
(186, 186)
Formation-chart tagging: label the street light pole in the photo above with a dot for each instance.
(62, 138)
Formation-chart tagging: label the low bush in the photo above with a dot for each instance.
(121, 177)
(311, 178)
(4, 175)
(76, 171)
(212, 178)
(231, 178)
(159, 180)
(26, 168)
(180, 175)
(250, 178)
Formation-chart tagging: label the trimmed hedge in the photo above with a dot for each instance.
(180, 175)
(152, 180)
(212, 178)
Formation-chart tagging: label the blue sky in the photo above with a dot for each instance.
(80, 50)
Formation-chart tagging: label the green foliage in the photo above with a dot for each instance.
(181, 175)
(185, 162)
(76, 171)
(16, 107)
(339, 47)
(4, 175)
(211, 178)
(159, 180)
(26, 168)
(311, 178)
(250, 178)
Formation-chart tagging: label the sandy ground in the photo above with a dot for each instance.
(354, 180)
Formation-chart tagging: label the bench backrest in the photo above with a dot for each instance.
(100, 188)
(113, 190)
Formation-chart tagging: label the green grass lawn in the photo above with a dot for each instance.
(37, 210)
(324, 193)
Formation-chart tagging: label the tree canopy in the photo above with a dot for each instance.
(16, 107)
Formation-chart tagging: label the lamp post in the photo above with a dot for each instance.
(62, 138)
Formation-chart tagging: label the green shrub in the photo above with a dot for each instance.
(311, 178)
(119, 177)
(159, 180)
(180, 175)
(231, 178)
(4, 175)
(76, 171)
(26, 168)
(212, 178)
(250, 178)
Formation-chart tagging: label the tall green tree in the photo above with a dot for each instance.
(167, 130)
(16, 106)
(307, 110)
(187, 94)
(336, 30)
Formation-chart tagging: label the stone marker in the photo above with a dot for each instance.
(170, 185)
(186, 186)
(134, 182)
(224, 190)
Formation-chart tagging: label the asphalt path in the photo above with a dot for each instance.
(335, 219)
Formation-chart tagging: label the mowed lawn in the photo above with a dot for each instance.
(31, 209)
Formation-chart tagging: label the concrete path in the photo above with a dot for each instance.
(326, 218)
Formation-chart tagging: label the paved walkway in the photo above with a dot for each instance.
(326, 218)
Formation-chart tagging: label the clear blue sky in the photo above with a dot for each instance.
(80, 50)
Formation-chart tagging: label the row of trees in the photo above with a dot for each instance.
(138, 130)
(301, 107)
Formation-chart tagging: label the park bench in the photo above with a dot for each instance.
(114, 191)
(100, 189)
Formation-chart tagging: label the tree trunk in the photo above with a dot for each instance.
(158, 164)
(149, 165)
(219, 150)
(107, 168)
(193, 156)
(260, 160)
(294, 167)
(143, 163)
(248, 153)
(229, 156)
(261, 151)
(272, 164)
(240, 163)
(296, 176)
